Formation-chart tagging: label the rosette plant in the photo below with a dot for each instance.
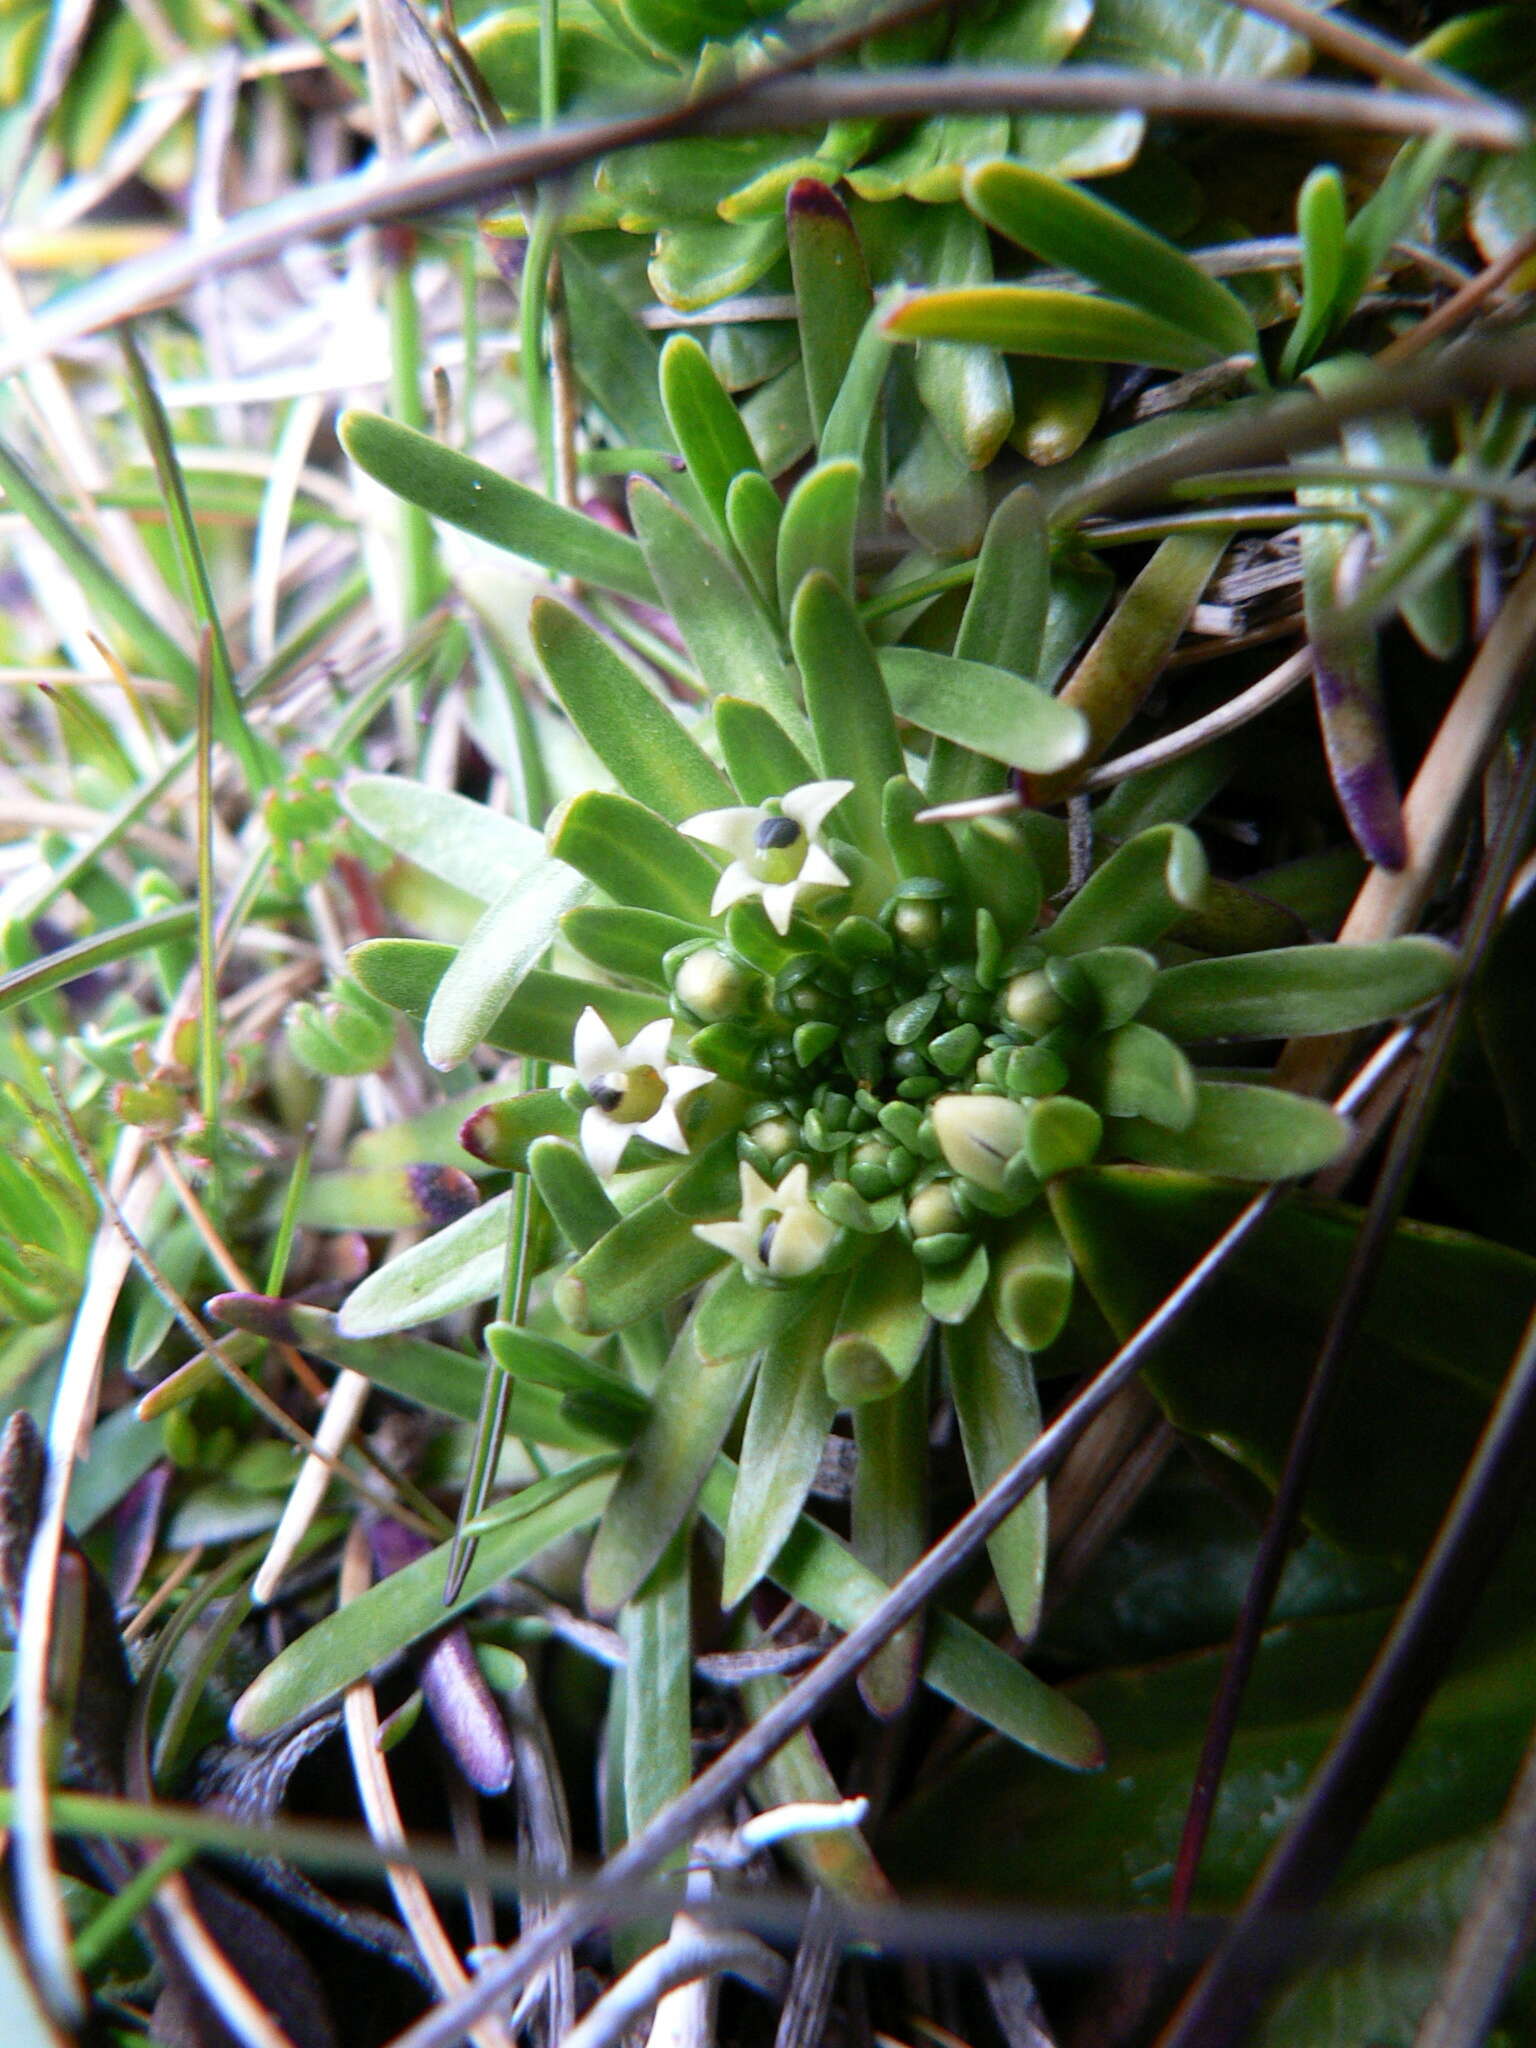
(837, 1066)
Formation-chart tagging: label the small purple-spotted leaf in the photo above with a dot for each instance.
(387, 1198)
(461, 1704)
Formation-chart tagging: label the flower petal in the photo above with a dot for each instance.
(737, 883)
(794, 1187)
(809, 804)
(603, 1140)
(594, 1049)
(734, 1238)
(664, 1129)
(681, 1081)
(821, 870)
(779, 902)
(648, 1047)
(730, 830)
(757, 1194)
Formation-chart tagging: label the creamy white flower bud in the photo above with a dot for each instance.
(979, 1134)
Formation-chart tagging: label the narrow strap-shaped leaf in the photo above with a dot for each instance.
(818, 1570)
(998, 1409)
(452, 1269)
(738, 1314)
(633, 855)
(652, 1256)
(1300, 991)
(644, 746)
(433, 1376)
(465, 844)
(500, 1133)
(920, 849)
(760, 757)
(512, 934)
(831, 288)
(1032, 321)
(572, 1193)
(984, 708)
(786, 1428)
(881, 1331)
(966, 389)
(1136, 895)
(1115, 676)
(888, 1524)
(732, 644)
(538, 1361)
(817, 529)
(1321, 220)
(692, 1408)
(705, 424)
(1242, 1132)
(467, 494)
(617, 358)
(851, 427)
(623, 940)
(656, 1625)
(849, 708)
(1032, 1282)
(752, 515)
(538, 1021)
(400, 1610)
(1003, 623)
(1064, 224)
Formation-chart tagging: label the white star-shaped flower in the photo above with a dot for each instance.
(779, 1231)
(634, 1091)
(776, 852)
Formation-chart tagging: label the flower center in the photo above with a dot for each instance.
(778, 850)
(629, 1097)
(765, 1242)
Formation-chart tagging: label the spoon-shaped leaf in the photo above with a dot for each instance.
(515, 931)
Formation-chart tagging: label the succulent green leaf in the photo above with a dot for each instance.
(634, 856)
(1136, 1071)
(1032, 1282)
(617, 358)
(984, 708)
(705, 424)
(732, 644)
(1136, 895)
(888, 1524)
(849, 709)
(625, 941)
(651, 1257)
(452, 1269)
(926, 850)
(998, 1408)
(1300, 991)
(500, 1133)
(1243, 1132)
(1321, 220)
(819, 1571)
(400, 1610)
(759, 756)
(817, 529)
(1033, 321)
(433, 1376)
(657, 1628)
(881, 1330)
(1066, 225)
(643, 745)
(572, 1193)
(538, 1021)
(542, 1362)
(966, 390)
(737, 1315)
(831, 288)
(787, 1424)
(850, 431)
(467, 494)
(513, 933)
(692, 1408)
(1003, 624)
(465, 844)
(703, 261)
(752, 516)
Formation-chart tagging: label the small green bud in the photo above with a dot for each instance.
(933, 1210)
(918, 925)
(1031, 1004)
(712, 986)
(979, 1134)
